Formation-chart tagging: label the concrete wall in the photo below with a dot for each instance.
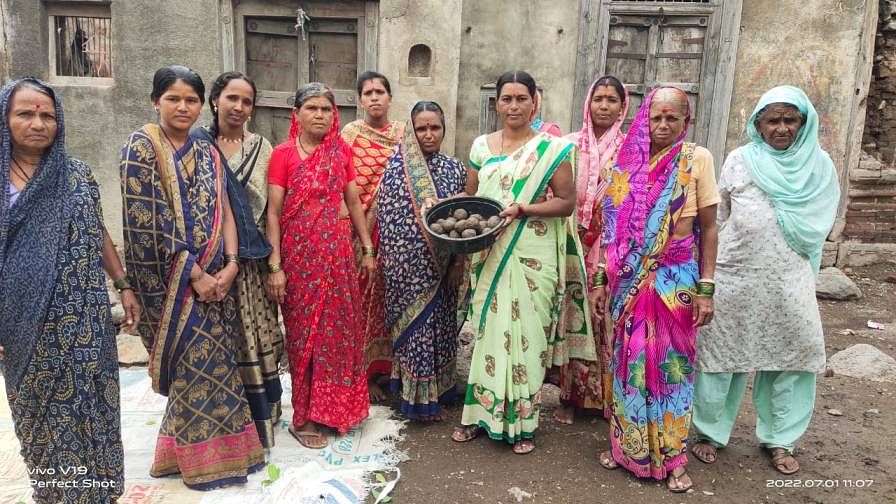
(98, 119)
(775, 48)
(403, 24)
(538, 36)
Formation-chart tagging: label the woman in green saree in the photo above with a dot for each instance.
(527, 298)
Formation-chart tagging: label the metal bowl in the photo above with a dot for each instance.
(486, 207)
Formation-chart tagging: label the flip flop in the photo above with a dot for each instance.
(672, 479)
(607, 462)
(777, 459)
(524, 446)
(708, 457)
(466, 433)
(300, 436)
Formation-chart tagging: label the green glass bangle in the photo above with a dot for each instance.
(706, 289)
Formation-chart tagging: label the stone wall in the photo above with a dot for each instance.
(871, 211)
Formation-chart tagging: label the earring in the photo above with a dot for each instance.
(215, 109)
(249, 119)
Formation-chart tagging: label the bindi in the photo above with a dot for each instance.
(37, 106)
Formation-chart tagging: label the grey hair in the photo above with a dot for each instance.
(313, 90)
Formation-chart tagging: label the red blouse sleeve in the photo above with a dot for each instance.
(278, 167)
(350, 173)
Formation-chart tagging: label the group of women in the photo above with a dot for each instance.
(602, 272)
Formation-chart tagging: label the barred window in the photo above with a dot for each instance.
(80, 41)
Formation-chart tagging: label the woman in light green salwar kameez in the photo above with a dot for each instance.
(528, 299)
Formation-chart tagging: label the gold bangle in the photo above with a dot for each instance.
(231, 258)
(275, 267)
(368, 251)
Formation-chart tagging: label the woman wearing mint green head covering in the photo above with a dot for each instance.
(779, 199)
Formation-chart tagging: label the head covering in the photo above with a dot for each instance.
(326, 156)
(32, 233)
(801, 181)
(594, 154)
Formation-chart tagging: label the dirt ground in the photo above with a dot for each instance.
(837, 454)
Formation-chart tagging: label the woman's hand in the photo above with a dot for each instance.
(456, 273)
(131, 310)
(206, 288)
(2, 352)
(597, 296)
(368, 268)
(276, 286)
(428, 203)
(703, 310)
(225, 279)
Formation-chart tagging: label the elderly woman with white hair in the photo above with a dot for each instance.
(779, 199)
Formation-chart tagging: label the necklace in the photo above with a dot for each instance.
(302, 146)
(22, 173)
(223, 139)
(168, 138)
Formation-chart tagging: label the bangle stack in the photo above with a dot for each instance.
(368, 251)
(231, 258)
(706, 287)
(275, 267)
(122, 284)
(599, 279)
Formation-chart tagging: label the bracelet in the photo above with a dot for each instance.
(706, 289)
(122, 284)
(275, 267)
(602, 266)
(706, 280)
(599, 279)
(368, 251)
(231, 258)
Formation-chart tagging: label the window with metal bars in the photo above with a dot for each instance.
(82, 46)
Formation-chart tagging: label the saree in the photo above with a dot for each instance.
(259, 346)
(421, 308)
(527, 301)
(588, 385)
(173, 211)
(371, 149)
(652, 285)
(61, 363)
(323, 337)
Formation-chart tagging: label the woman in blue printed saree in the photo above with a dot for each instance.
(181, 250)
(57, 350)
(660, 238)
(528, 302)
(421, 281)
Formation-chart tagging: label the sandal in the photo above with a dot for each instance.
(705, 452)
(307, 438)
(675, 484)
(524, 446)
(779, 457)
(607, 462)
(464, 433)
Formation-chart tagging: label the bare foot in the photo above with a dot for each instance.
(438, 417)
(678, 480)
(376, 393)
(704, 451)
(564, 415)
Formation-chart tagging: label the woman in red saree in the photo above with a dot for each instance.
(373, 141)
(309, 177)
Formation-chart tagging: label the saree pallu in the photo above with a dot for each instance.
(371, 150)
(652, 288)
(528, 303)
(421, 307)
(173, 206)
(259, 347)
(62, 385)
(323, 337)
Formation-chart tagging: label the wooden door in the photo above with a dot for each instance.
(690, 44)
(281, 50)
